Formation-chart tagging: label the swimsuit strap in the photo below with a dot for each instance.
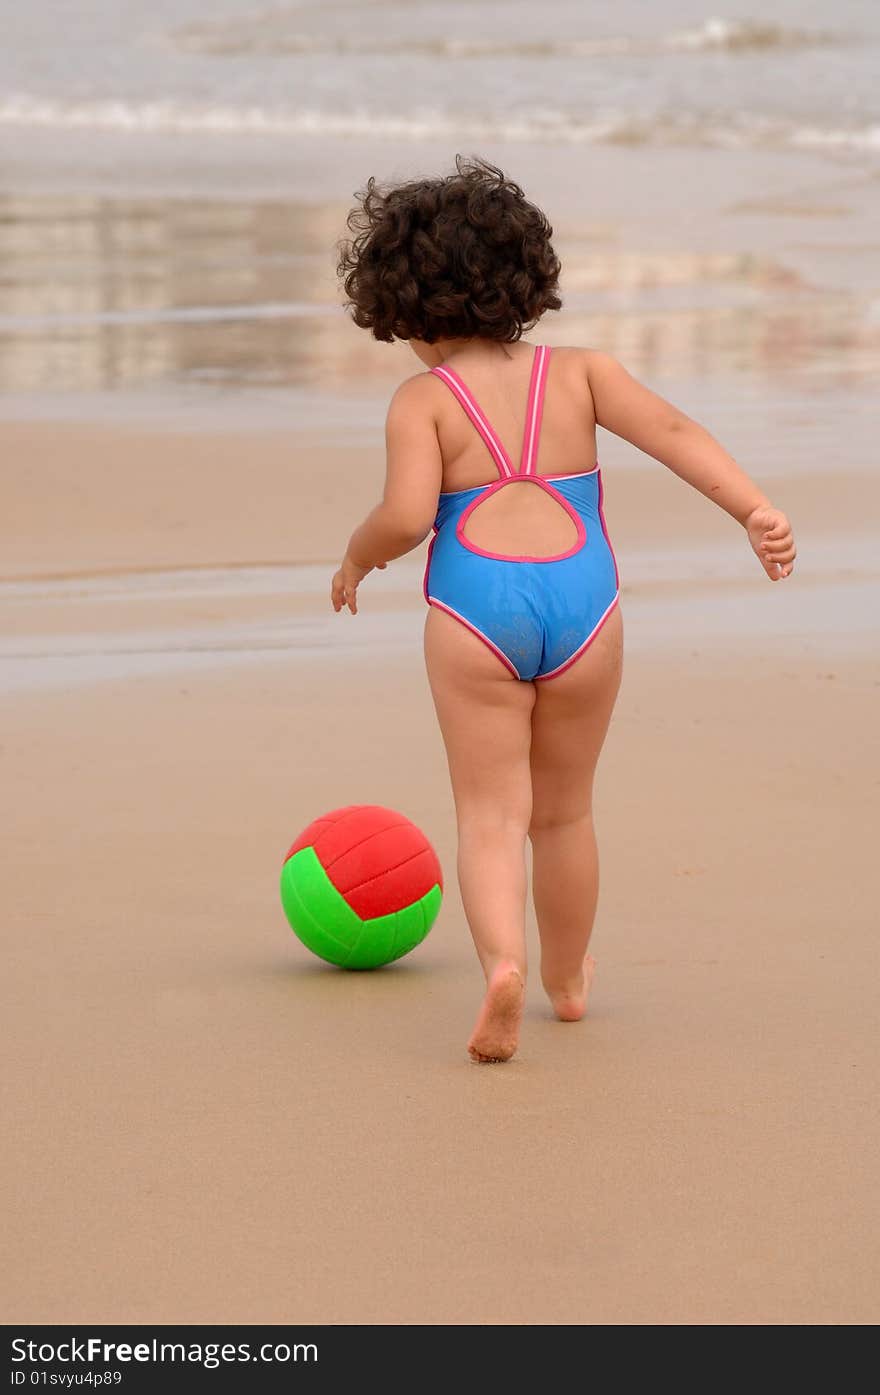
(468, 401)
(534, 410)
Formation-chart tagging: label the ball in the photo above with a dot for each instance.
(361, 886)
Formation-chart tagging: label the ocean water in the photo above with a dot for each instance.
(174, 175)
(781, 74)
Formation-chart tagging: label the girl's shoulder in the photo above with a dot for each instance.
(417, 387)
(590, 371)
(421, 392)
(580, 359)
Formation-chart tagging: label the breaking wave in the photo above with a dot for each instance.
(275, 32)
(544, 125)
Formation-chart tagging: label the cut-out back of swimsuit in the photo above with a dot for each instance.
(536, 612)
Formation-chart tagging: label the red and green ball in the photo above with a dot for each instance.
(361, 886)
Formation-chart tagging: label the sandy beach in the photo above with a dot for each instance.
(208, 1125)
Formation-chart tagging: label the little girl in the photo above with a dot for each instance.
(523, 636)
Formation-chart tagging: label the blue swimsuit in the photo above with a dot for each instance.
(537, 614)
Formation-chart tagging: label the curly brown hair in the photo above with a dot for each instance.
(460, 257)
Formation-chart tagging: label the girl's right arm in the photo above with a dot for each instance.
(630, 410)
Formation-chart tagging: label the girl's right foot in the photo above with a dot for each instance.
(496, 1035)
(569, 1002)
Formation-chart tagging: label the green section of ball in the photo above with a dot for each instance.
(389, 937)
(320, 916)
(317, 913)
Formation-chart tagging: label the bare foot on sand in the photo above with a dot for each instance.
(496, 1034)
(570, 1003)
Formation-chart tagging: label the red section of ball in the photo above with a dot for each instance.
(378, 859)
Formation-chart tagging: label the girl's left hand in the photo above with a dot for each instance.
(770, 535)
(343, 587)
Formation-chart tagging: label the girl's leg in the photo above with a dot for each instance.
(569, 722)
(485, 719)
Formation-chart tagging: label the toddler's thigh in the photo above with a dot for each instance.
(569, 723)
(484, 715)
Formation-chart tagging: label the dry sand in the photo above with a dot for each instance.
(205, 1124)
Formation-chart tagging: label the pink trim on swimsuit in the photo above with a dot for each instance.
(527, 466)
(534, 411)
(562, 475)
(511, 556)
(605, 531)
(474, 631)
(555, 672)
(499, 454)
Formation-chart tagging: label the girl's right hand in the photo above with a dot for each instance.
(771, 537)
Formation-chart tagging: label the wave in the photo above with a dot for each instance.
(274, 32)
(740, 35)
(672, 128)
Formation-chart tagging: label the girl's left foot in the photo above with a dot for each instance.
(496, 1035)
(570, 1003)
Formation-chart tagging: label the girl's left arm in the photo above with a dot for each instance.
(414, 473)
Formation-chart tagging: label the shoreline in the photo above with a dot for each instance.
(131, 550)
